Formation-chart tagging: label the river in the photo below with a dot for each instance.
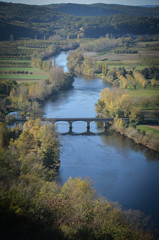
(120, 170)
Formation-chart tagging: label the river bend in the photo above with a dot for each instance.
(120, 170)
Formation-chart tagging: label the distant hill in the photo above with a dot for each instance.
(28, 13)
(101, 9)
(29, 21)
(150, 6)
(23, 21)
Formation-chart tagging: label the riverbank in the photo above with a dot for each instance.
(146, 139)
(28, 98)
(118, 104)
(56, 48)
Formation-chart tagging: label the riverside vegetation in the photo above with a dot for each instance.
(27, 79)
(119, 104)
(135, 81)
(33, 204)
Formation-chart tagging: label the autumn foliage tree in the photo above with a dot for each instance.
(123, 79)
(132, 80)
(141, 79)
(104, 69)
(38, 141)
(59, 79)
(153, 82)
(114, 103)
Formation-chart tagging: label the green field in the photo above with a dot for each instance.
(146, 56)
(149, 129)
(143, 93)
(16, 69)
(2, 60)
(22, 76)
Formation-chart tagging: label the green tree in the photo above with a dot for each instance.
(49, 146)
(104, 69)
(4, 135)
(46, 65)
(136, 116)
(131, 80)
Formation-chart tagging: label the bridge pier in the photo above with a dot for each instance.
(88, 131)
(70, 126)
(70, 131)
(105, 125)
(88, 125)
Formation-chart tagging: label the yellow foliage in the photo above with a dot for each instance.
(77, 188)
(34, 130)
(125, 103)
(116, 102)
(29, 124)
(141, 79)
(153, 82)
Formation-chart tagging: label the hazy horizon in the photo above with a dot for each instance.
(122, 2)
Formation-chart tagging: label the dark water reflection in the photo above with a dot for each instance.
(121, 170)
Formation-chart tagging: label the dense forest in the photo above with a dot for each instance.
(100, 9)
(19, 21)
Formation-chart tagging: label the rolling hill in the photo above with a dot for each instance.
(101, 9)
(29, 21)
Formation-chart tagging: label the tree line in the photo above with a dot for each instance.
(118, 77)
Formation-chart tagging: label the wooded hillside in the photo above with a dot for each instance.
(24, 21)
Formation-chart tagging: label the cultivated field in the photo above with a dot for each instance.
(16, 61)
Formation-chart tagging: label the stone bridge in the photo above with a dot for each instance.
(70, 121)
(87, 120)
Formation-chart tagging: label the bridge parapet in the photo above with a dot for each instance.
(79, 119)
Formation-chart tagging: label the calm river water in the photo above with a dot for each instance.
(120, 170)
